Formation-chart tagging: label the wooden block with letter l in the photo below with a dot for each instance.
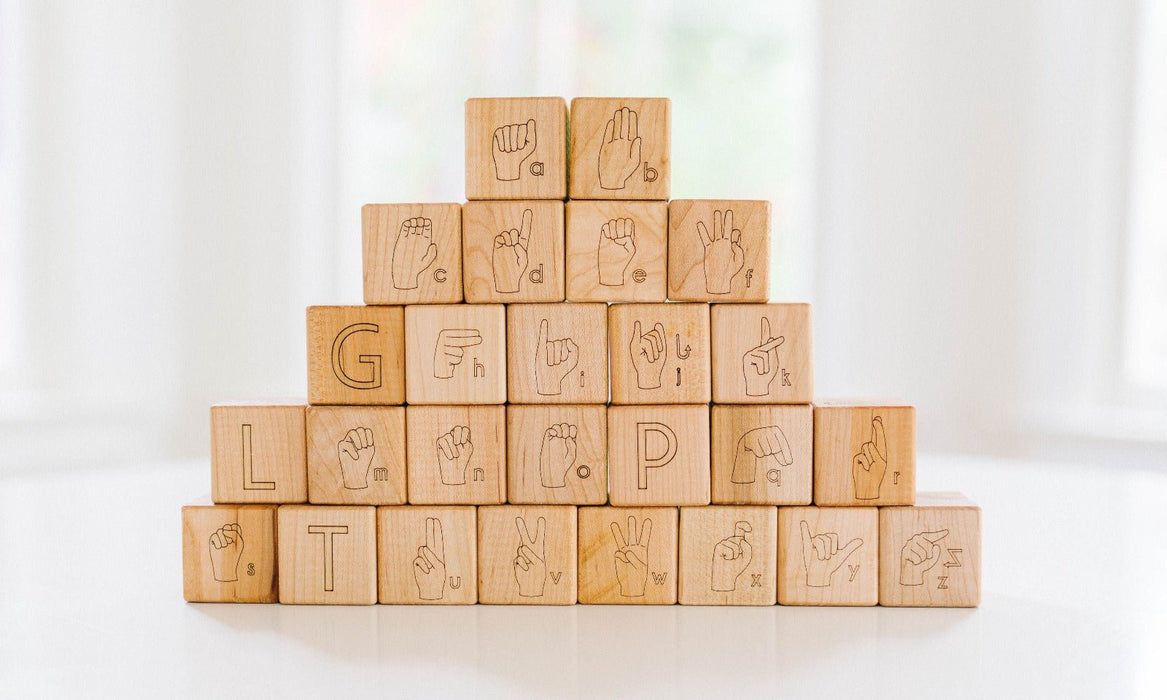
(412, 253)
(427, 555)
(356, 455)
(762, 353)
(728, 555)
(617, 250)
(456, 454)
(658, 455)
(719, 250)
(628, 555)
(828, 556)
(516, 148)
(557, 454)
(762, 455)
(257, 454)
(356, 355)
(328, 555)
(229, 554)
(512, 252)
(864, 454)
(527, 555)
(557, 353)
(456, 354)
(659, 353)
(930, 553)
(620, 147)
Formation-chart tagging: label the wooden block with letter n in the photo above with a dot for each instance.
(328, 555)
(512, 252)
(412, 253)
(620, 147)
(229, 554)
(659, 353)
(930, 553)
(356, 355)
(719, 250)
(457, 454)
(557, 454)
(828, 556)
(516, 148)
(658, 455)
(527, 555)
(427, 555)
(617, 250)
(557, 353)
(762, 455)
(762, 353)
(456, 354)
(728, 555)
(864, 454)
(257, 454)
(628, 555)
(356, 455)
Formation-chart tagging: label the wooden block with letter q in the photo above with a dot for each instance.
(427, 555)
(516, 148)
(229, 554)
(659, 353)
(617, 250)
(557, 353)
(762, 455)
(828, 556)
(864, 454)
(328, 555)
(728, 555)
(456, 354)
(628, 555)
(620, 147)
(527, 555)
(356, 455)
(457, 454)
(930, 553)
(762, 353)
(512, 252)
(719, 250)
(356, 355)
(557, 454)
(257, 454)
(658, 455)
(412, 253)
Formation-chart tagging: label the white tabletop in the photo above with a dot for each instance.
(1074, 605)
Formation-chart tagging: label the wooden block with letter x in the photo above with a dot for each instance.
(356, 455)
(864, 454)
(356, 355)
(828, 556)
(512, 252)
(457, 454)
(728, 555)
(516, 148)
(761, 353)
(328, 555)
(659, 353)
(527, 555)
(229, 554)
(620, 147)
(762, 454)
(658, 455)
(719, 250)
(412, 253)
(557, 454)
(930, 553)
(257, 454)
(427, 555)
(617, 250)
(456, 354)
(557, 353)
(628, 555)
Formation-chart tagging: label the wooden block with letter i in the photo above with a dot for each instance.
(412, 253)
(512, 252)
(659, 353)
(427, 555)
(229, 554)
(628, 555)
(328, 555)
(516, 148)
(257, 454)
(527, 555)
(658, 455)
(457, 454)
(620, 147)
(762, 454)
(719, 250)
(761, 353)
(617, 250)
(828, 556)
(356, 355)
(728, 555)
(557, 353)
(864, 454)
(456, 354)
(557, 454)
(930, 553)
(356, 455)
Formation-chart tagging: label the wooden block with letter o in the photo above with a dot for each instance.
(257, 454)
(229, 554)
(557, 353)
(762, 454)
(356, 355)
(762, 353)
(412, 253)
(527, 555)
(557, 454)
(617, 250)
(930, 553)
(328, 555)
(658, 455)
(659, 353)
(427, 555)
(516, 148)
(457, 454)
(864, 454)
(356, 455)
(719, 250)
(620, 147)
(512, 252)
(628, 555)
(728, 555)
(456, 354)
(828, 556)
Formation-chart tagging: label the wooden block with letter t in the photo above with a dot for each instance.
(828, 556)
(257, 454)
(557, 353)
(659, 353)
(864, 454)
(516, 148)
(762, 455)
(456, 354)
(356, 455)
(617, 250)
(412, 253)
(658, 455)
(719, 250)
(427, 555)
(620, 147)
(930, 553)
(328, 555)
(628, 555)
(728, 555)
(557, 454)
(457, 454)
(356, 355)
(762, 353)
(527, 555)
(229, 554)
(512, 252)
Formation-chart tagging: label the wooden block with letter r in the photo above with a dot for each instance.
(516, 148)
(457, 454)
(728, 555)
(512, 252)
(257, 454)
(229, 554)
(761, 353)
(557, 353)
(356, 355)
(412, 253)
(456, 354)
(427, 555)
(557, 454)
(864, 454)
(527, 555)
(628, 555)
(930, 553)
(828, 556)
(762, 455)
(659, 353)
(658, 455)
(617, 250)
(356, 455)
(620, 147)
(719, 250)
(328, 555)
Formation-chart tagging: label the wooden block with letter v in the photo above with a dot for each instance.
(864, 454)
(659, 353)
(930, 553)
(516, 148)
(658, 455)
(457, 454)
(557, 454)
(427, 555)
(762, 353)
(356, 455)
(412, 253)
(719, 250)
(328, 555)
(828, 556)
(762, 455)
(617, 250)
(229, 554)
(628, 555)
(728, 555)
(456, 354)
(527, 555)
(356, 355)
(557, 353)
(620, 148)
(512, 252)
(257, 454)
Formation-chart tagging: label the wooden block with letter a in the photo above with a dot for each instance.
(527, 555)
(328, 555)
(557, 454)
(356, 355)
(229, 554)
(761, 353)
(620, 147)
(427, 555)
(728, 555)
(456, 354)
(457, 454)
(557, 353)
(864, 454)
(512, 252)
(617, 250)
(356, 455)
(719, 250)
(658, 455)
(828, 556)
(930, 553)
(516, 148)
(412, 253)
(659, 353)
(762, 454)
(257, 454)
(628, 555)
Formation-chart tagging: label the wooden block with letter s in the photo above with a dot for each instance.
(412, 253)
(516, 148)
(229, 554)
(930, 552)
(356, 355)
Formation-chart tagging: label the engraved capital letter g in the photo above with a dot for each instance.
(374, 361)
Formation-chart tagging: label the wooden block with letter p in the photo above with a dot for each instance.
(456, 354)
(356, 455)
(229, 554)
(620, 147)
(328, 555)
(457, 454)
(762, 455)
(557, 454)
(659, 353)
(557, 353)
(828, 556)
(516, 148)
(527, 555)
(412, 253)
(257, 454)
(617, 250)
(356, 355)
(628, 555)
(864, 454)
(762, 353)
(658, 455)
(719, 250)
(728, 555)
(930, 553)
(512, 252)
(427, 555)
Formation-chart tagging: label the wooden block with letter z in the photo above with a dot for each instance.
(930, 553)
(512, 252)
(557, 353)
(527, 555)
(427, 555)
(257, 454)
(762, 454)
(628, 555)
(659, 353)
(864, 454)
(658, 455)
(728, 555)
(457, 454)
(229, 554)
(328, 555)
(356, 455)
(762, 353)
(412, 253)
(719, 250)
(828, 556)
(557, 454)
(620, 147)
(516, 148)
(617, 250)
(356, 355)
(456, 354)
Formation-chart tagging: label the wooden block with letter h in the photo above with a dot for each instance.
(457, 454)
(356, 355)
(719, 250)
(620, 147)
(412, 253)
(427, 555)
(257, 454)
(516, 148)
(828, 556)
(328, 555)
(762, 353)
(557, 454)
(659, 353)
(512, 252)
(617, 250)
(527, 555)
(930, 553)
(356, 455)
(557, 353)
(658, 455)
(864, 454)
(229, 554)
(728, 555)
(628, 555)
(456, 354)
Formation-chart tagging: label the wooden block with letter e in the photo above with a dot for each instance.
(412, 253)
(427, 555)
(257, 454)
(659, 353)
(728, 555)
(930, 553)
(719, 250)
(762, 455)
(557, 353)
(828, 556)
(512, 252)
(628, 555)
(617, 250)
(762, 353)
(557, 454)
(620, 147)
(356, 455)
(527, 555)
(457, 454)
(328, 555)
(356, 355)
(864, 454)
(456, 354)
(516, 148)
(658, 455)
(229, 554)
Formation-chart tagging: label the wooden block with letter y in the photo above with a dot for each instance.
(456, 354)
(828, 556)
(719, 250)
(930, 553)
(516, 148)
(257, 454)
(557, 353)
(229, 554)
(620, 147)
(658, 455)
(527, 555)
(864, 454)
(356, 355)
(328, 554)
(412, 253)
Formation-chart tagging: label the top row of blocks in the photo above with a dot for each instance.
(518, 148)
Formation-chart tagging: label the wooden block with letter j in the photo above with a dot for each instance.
(356, 355)
(864, 454)
(930, 553)
(257, 454)
(659, 353)
(328, 554)
(620, 147)
(516, 148)
(412, 253)
(719, 250)
(229, 554)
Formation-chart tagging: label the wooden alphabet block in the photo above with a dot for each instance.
(930, 553)
(762, 454)
(728, 555)
(527, 555)
(257, 454)
(864, 454)
(557, 353)
(356, 355)
(412, 253)
(512, 252)
(557, 454)
(427, 555)
(719, 250)
(356, 455)
(457, 454)
(828, 556)
(229, 554)
(328, 555)
(628, 556)
(658, 455)
(456, 354)
(762, 353)
(617, 250)
(659, 353)
(620, 148)
(516, 148)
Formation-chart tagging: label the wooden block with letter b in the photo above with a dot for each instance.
(328, 555)
(930, 553)
(456, 354)
(412, 253)
(557, 454)
(659, 353)
(557, 353)
(527, 555)
(512, 252)
(762, 455)
(356, 455)
(617, 250)
(356, 355)
(719, 250)
(257, 454)
(457, 454)
(427, 555)
(728, 555)
(864, 454)
(229, 554)
(828, 556)
(628, 555)
(516, 148)
(658, 455)
(620, 147)
(762, 353)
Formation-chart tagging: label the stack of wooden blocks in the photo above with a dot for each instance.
(553, 436)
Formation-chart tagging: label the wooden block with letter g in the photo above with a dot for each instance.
(762, 454)
(728, 555)
(412, 253)
(427, 555)
(620, 147)
(456, 354)
(617, 250)
(658, 455)
(356, 355)
(864, 454)
(516, 148)
(356, 455)
(659, 353)
(719, 250)
(512, 252)
(557, 353)
(457, 454)
(557, 454)
(828, 556)
(229, 554)
(527, 555)
(930, 553)
(257, 454)
(328, 555)
(761, 353)
(628, 555)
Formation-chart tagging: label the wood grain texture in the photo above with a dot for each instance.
(456, 354)
(257, 454)
(750, 368)
(728, 555)
(412, 253)
(658, 455)
(328, 555)
(705, 264)
(229, 554)
(828, 556)
(557, 353)
(617, 250)
(620, 148)
(557, 454)
(356, 455)
(659, 353)
(512, 252)
(864, 454)
(628, 556)
(516, 148)
(762, 455)
(356, 355)
(527, 555)
(930, 553)
(457, 454)
(427, 555)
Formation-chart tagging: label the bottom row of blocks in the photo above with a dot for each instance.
(922, 555)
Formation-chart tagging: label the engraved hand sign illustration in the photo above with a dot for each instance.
(822, 556)
(355, 452)
(448, 351)
(513, 145)
(429, 567)
(648, 355)
(454, 452)
(226, 546)
(413, 252)
(554, 359)
(731, 557)
(724, 257)
(616, 250)
(632, 557)
(619, 150)
(531, 559)
(920, 553)
(760, 364)
(870, 464)
(760, 449)
(557, 455)
(509, 256)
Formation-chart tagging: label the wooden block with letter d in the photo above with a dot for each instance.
(762, 455)
(828, 556)
(728, 555)
(328, 554)
(229, 554)
(527, 555)
(762, 353)
(512, 252)
(456, 354)
(719, 250)
(658, 455)
(356, 455)
(659, 353)
(864, 454)
(930, 553)
(257, 454)
(620, 147)
(617, 250)
(356, 355)
(412, 253)
(516, 148)
(557, 353)
(427, 555)
(557, 454)
(628, 555)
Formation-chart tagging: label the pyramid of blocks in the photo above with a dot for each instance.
(571, 389)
